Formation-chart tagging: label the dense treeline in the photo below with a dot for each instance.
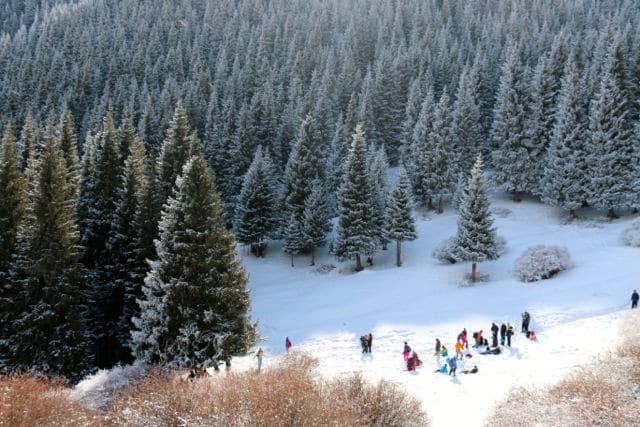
(298, 108)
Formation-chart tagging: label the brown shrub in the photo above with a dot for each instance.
(28, 401)
(288, 395)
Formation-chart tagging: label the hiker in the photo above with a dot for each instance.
(458, 350)
(406, 351)
(363, 343)
(503, 333)
(494, 335)
(509, 334)
(287, 344)
(453, 365)
(438, 349)
(634, 299)
(463, 338)
(526, 317)
(369, 341)
(259, 355)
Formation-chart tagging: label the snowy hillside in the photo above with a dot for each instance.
(574, 315)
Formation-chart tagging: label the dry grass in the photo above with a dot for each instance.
(28, 401)
(606, 393)
(289, 395)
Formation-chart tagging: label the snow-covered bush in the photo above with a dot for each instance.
(541, 262)
(446, 250)
(630, 236)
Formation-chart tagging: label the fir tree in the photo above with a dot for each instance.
(468, 134)
(418, 165)
(355, 235)
(441, 160)
(293, 238)
(565, 180)
(29, 140)
(69, 147)
(256, 214)
(316, 220)
(400, 224)
(510, 156)
(476, 237)
(195, 308)
(378, 166)
(48, 334)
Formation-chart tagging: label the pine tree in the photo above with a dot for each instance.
(29, 140)
(476, 237)
(178, 146)
(511, 158)
(194, 313)
(12, 210)
(418, 165)
(127, 265)
(293, 238)
(378, 166)
(48, 334)
(256, 214)
(565, 180)
(441, 160)
(355, 236)
(69, 147)
(400, 225)
(316, 219)
(614, 158)
(466, 125)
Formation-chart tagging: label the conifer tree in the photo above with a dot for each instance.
(565, 181)
(355, 235)
(29, 140)
(476, 237)
(316, 219)
(69, 147)
(194, 312)
(48, 334)
(400, 223)
(418, 163)
(12, 210)
(293, 238)
(468, 134)
(127, 264)
(441, 160)
(257, 212)
(378, 166)
(614, 158)
(511, 158)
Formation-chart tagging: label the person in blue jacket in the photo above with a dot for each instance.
(453, 365)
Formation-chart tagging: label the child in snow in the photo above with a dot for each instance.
(438, 349)
(463, 338)
(478, 337)
(406, 351)
(458, 350)
(259, 355)
(363, 343)
(509, 334)
(453, 365)
(411, 363)
(444, 352)
(416, 359)
(287, 344)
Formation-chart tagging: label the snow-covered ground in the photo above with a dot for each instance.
(574, 314)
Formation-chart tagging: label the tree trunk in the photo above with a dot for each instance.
(313, 256)
(572, 214)
(291, 260)
(612, 214)
(439, 208)
(398, 263)
(516, 196)
(358, 263)
(473, 272)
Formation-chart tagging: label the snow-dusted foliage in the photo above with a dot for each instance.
(630, 236)
(541, 262)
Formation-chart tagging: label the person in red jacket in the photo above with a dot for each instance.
(287, 344)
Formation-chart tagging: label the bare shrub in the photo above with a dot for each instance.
(29, 401)
(541, 262)
(287, 395)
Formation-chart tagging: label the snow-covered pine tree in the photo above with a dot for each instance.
(565, 181)
(178, 146)
(378, 166)
(418, 163)
(355, 234)
(411, 112)
(29, 139)
(257, 210)
(400, 225)
(466, 124)
(48, 333)
(510, 156)
(441, 159)
(12, 210)
(614, 158)
(127, 264)
(194, 312)
(69, 147)
(316, 222)
(293, 238)
(126, 135)
(476, 237)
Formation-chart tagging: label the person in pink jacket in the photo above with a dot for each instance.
(287, 344)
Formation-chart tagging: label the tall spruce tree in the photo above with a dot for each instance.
(378, 166)
(418, 161)
(565, 180)
(355, 234)
(12, 210)
(476, 237)
(48, 334)
(29, 139)
(612, 141)
(257, 212)
(400, 225)
(468, 133)
(69, 147)
(441, 159)
(195, 308)
(510, 156)
(316, 222)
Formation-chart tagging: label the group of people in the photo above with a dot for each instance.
(365, 342)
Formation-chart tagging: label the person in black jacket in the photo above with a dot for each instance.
(509, 334)
(634, 299)
(503, 333)
(494, 335)
(525, 322)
